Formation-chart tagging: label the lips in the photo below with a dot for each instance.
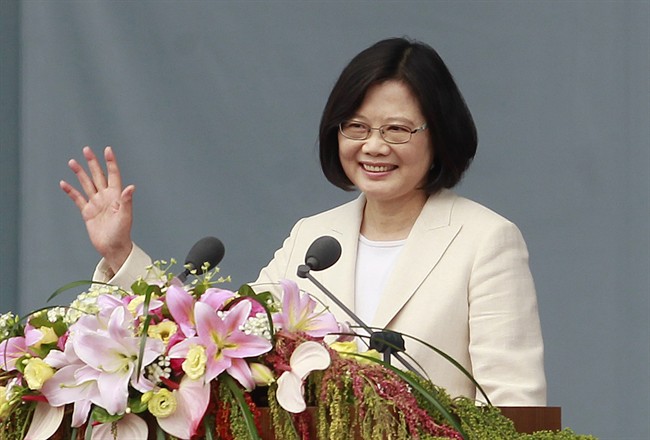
(372, 168)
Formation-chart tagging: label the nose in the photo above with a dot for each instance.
(375, 145)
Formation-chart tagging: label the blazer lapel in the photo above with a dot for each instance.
(340, 278)
(431, 235)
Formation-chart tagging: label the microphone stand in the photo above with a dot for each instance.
(383, 341)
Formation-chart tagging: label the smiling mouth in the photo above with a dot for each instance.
(377, 168)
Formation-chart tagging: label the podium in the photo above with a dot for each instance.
(527, 419)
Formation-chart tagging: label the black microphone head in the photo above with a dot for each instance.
(323, 253)
(206, 250)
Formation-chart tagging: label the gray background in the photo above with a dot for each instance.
(213, 109)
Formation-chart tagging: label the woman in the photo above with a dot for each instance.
(416, 257)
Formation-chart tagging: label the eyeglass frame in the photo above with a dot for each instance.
(381, 131)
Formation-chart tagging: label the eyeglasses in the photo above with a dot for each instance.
(391, 133)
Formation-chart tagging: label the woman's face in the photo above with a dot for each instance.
(387, 172)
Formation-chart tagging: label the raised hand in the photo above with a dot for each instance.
(105, 207)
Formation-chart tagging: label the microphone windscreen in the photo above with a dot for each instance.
(206, 250)
(323, 253)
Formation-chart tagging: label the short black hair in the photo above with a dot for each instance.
(452, 130)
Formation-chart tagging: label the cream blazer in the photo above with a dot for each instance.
(461, 283)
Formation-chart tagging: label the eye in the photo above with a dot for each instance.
(354, 125)
(397, 129)
(355, 128)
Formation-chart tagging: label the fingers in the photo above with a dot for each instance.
(114, 176)
(99, 179)
(86, 183)
(74, 195)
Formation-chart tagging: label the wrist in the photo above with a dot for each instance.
(117, 256)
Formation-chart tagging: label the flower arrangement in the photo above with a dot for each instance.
(188, 361)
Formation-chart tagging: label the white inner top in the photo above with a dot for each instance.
(375, 262)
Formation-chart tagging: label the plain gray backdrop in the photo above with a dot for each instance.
(213, 110)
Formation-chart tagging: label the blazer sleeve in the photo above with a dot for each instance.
(278, 267)
(133, 268)
(506, 346)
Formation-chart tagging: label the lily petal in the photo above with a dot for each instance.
(307, 357)
(181, 307)
(216, 298)
(290, 393)
(241, 372)
(192, 397)
(45, 422)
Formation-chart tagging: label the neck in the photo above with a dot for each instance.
(392, 220)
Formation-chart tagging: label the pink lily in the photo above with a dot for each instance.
(298, 315)
(181, 307)
(192, 398)
(14, 348)
(216, 298)
(307, 357)
(226, 346)
(113, 353)
(73, 382)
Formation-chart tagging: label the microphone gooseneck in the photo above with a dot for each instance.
(322, 254)
(207, 250)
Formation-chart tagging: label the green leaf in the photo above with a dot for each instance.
(102, 416)
(139, 287)
(246, 290)
(243, 406)
(72, 285)
(137, 405)
(149, 291)
(208, 423)
(455, 363)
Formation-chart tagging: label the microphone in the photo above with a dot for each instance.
(207, 250)
(322, 254)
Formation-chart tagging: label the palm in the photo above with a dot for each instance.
(105, 221)
(104, 205)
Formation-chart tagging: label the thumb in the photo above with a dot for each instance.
(126, 198)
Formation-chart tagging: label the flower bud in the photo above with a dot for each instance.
(262, 375)
(49, 336)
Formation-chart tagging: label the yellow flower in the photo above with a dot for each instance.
(4, 403)
(37, 372)
(349, 349)
(49, 336)
(163, 331)
(135, 302)
(344, 348)
(194, 364)
(162, 404)
(262, 375)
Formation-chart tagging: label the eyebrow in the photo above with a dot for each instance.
(394, 120)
